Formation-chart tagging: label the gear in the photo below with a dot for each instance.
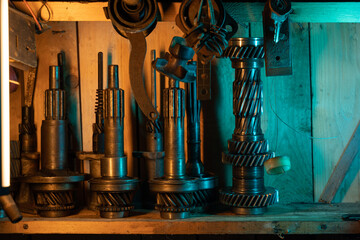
(245, 147)
(237, 52)
(246, 160)
(234, 199)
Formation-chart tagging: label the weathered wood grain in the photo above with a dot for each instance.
(335, 77)
(281, 220)
(342, 167)
(289, 97)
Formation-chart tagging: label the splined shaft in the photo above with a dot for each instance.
(55, 187)
(114, 189)
(174, 190)
(248, 149)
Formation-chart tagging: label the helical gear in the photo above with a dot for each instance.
(248, 149)
(175, 202)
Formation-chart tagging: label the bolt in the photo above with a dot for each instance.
(25, 226)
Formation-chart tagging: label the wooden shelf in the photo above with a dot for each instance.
(280, 219)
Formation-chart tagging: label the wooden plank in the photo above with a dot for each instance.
(61, 37)
(342, 167)
(289, 98)
(281, 219)
(336, 103)
(241, 11)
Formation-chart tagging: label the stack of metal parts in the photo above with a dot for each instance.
(207, 193)
(55, 186)
(248, 149)
(115, 191)
(175, 190)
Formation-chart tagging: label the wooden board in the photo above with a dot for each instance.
(249, 12)
(288, 98)
(335, 77)
(279, 220)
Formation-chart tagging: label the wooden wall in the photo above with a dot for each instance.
(308, 116)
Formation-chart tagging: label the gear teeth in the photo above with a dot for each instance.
(234, 199)
(245, 147)
(246, 160)
(115, 199)
(236, 52)
(202, 198)
(175, 202)
(154, 126)
(55, 201)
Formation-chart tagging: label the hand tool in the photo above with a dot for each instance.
(248, 149)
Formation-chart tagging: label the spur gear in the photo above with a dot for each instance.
(248, 149)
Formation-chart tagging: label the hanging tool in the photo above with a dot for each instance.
(55, 187)
(206, 195)
(115, 190)
(207, 28)
(154, 154)
(277, 37)
(248, 149)
(135, 19)
(175, 189)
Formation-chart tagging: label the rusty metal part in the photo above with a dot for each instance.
(175, 189)
(248, 149)
(22, 48)
(55, 187)
(135, 21)
(115, 190)
(277, 37)
(177, 64)
(153, 157)
(203, 81)
(206, 195)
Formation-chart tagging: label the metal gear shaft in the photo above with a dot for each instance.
(248, 149)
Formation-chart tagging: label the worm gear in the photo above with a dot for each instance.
(248, 149)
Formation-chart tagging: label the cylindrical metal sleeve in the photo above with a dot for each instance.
(174, 113)
(54, 145)
(114, 137)
(115, 167)
(54, 77)
(248, 179)
(113, 78)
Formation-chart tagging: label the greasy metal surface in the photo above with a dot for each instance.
(114, 190)
(277, 38)
(174, 190)
(22, 47)
(248, 148)
(203, 81)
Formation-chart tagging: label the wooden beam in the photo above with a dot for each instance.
(280, 219)
(342, 167)
(315, 12)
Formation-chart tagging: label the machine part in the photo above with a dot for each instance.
(277, 165)
(115, 190)
(135, 20)
(206, 195)
(203, 81)
(207, 27)
(55, 187)
(98, 126)
(277, 37)
(175, 190)
(6, 201)
(248, 149)
(153, 157)
(177, 64)
(22, 46)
